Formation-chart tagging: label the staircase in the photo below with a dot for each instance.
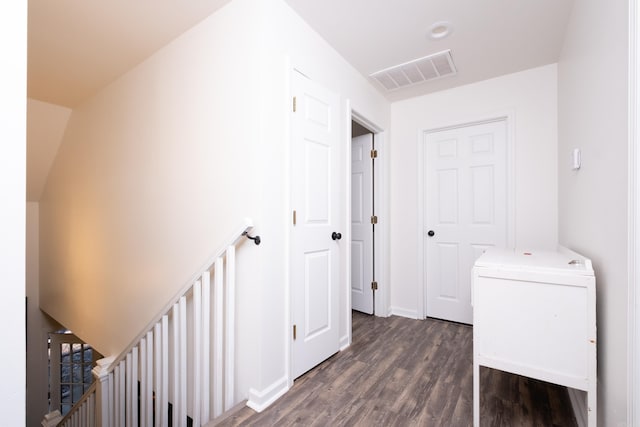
(180, 370)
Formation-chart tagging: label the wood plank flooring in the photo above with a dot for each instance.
(403, 372)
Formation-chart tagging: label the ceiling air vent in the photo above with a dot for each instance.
(417, 71)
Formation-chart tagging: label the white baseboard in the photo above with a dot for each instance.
(260, 400)
(403, 312)
(344, 342)
(578, 400)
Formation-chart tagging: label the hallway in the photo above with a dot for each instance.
(403, 372)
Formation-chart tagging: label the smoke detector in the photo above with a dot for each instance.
(439, 30)
(417, 71)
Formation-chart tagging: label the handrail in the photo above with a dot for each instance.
(241, 231)
(87, 394)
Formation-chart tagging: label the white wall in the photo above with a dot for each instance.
(152, 175)
(289, 41)
(592, 116)
(13, 87)
(531, 97)
(38, 326)
(46, 124)
(155, 170)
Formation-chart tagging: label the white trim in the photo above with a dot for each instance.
(578, 400)
(633, 317)
(288, 307)
(403, 312)
(345, 341)
(509, 118)
(345, 248)
(260, 400)
(381, 207)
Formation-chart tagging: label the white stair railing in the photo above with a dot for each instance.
(181, 365)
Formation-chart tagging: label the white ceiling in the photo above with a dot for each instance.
(490, 37)
(76, 47)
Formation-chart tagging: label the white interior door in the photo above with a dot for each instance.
(466, 211)
(361, 227)
(315, 201)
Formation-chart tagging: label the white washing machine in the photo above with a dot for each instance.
(534, 314)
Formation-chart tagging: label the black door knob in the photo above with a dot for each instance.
(336, 236)
(431, 233)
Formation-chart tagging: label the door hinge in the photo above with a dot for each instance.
(374, 219)
(294, 332)
(294, 104)
(374, 286)
(294, 217)
(374, 154)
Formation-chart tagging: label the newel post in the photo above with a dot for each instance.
(104, 391)
(52, 419)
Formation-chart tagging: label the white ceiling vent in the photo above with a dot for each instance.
(417, 71)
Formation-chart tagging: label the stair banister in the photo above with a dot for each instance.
(133, 388)
(246, 225)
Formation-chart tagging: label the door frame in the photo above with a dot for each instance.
(382, 301)
(633, 320)
(508, 117)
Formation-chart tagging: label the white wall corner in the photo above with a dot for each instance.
(578, 400)
(404, 312)
(261, 400)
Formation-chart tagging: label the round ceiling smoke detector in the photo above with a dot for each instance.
(439, 30)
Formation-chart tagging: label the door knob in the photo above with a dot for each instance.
(336, 236)
(431, 233)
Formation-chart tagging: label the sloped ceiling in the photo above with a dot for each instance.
(46, 124)
(76, 47)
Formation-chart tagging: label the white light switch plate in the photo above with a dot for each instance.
(576, 159)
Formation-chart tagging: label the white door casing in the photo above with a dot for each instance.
(361, 227)
(315, 256)
(465, 208)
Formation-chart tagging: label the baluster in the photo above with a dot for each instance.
(129, 403)
(143, 382)
(134, 389)
(149, 380)
(117, 393)
(197, 338)
(218, 336)
(206, 343)
(230, 328)
(182, 413)
(121, 417)
(164, 406)
(176, 364)
(92, 410)
(157, 370)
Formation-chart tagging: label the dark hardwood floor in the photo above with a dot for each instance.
(403, 372)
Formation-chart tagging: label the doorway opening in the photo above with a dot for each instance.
(363, 219)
